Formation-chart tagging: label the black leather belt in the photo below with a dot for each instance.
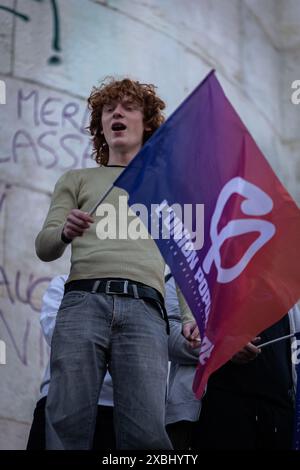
(120, 287)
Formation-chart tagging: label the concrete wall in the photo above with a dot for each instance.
(49, 66)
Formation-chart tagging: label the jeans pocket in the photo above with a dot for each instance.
(153, 310)
(73, 298)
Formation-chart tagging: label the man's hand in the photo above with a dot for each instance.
(190, 331)
(76, 224)
(248, 353)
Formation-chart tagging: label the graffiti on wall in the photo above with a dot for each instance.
(55, 136)
(23, 289)
(55, 58)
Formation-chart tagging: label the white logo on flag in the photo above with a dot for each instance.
(257, 203)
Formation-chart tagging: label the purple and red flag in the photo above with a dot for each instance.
(246, 276)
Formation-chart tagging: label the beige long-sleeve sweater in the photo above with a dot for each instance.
(137, 260)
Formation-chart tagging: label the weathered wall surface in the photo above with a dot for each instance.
(50, 59)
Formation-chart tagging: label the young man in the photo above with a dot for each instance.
(113, 309)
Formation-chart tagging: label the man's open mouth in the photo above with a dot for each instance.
(118, 126)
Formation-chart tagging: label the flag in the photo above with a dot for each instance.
(239, 271)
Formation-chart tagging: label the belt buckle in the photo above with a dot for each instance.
(108, 289)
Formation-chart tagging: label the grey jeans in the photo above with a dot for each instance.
(127, 335)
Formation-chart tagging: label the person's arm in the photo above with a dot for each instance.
(189, 325)
(294, 318)
(49, 244)
(180, 350)
(247, 353)
(50, 305)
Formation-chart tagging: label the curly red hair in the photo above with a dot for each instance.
(113, 90)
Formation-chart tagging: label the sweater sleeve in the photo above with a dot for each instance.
(48, 243)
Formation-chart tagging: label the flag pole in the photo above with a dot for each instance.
(92, 210)
(281, 338)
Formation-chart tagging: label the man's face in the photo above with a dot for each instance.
(123, 127)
